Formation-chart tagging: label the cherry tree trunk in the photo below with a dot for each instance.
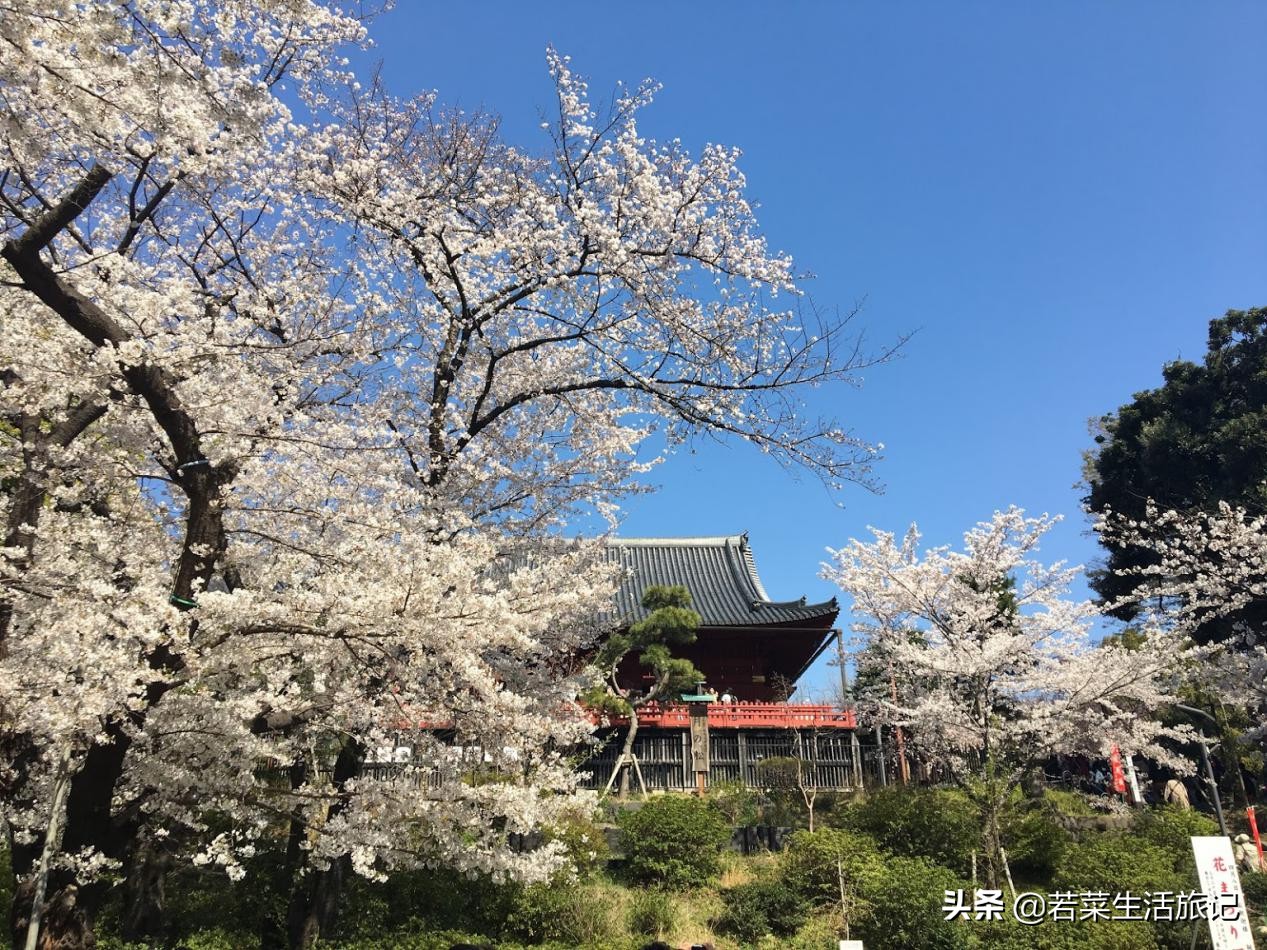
(313, 909)
(144, 915)
(314, 906)
(70, 908)
(992, 844)
(67, 921)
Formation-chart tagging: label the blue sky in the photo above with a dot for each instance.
(1056, 197)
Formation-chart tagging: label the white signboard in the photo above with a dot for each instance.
(1216, 869)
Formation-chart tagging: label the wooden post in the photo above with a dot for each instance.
(1007, 872)
(625, 762)
(743, 759)
(700, 763)
(879, 748)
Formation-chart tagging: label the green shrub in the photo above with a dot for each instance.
(739, 804)
(584, 840)
(1113, 863)
(741, 918)
(217, 939)
(819, 931)
(944, 826)
(425, 899)
(890, 901)
(905, 899)
(577, 916)
(1254, 886)
(1035, 839)
(1067, 804)
(785, 911)
(1010, 934)
(537, 912)
(652, 912)
(1169, 828)
(673, 840)
(809, 863)
(761, 907)
(6, 884)
(446, 939)
(1118, 863)
(197, 896)
(940, 824)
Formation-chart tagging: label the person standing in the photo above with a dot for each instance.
(1174, 792)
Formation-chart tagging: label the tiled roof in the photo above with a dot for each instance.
(721, 575)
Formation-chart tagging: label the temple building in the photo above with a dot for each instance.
(750, 648)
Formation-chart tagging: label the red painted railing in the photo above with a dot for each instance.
(748, 716)
(720, 716)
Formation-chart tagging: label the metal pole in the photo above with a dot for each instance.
(1205, 759)
(1214, 786)
(855, 753)
(844, 673)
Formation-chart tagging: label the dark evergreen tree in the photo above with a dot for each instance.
(1198, 439)
(670, 623)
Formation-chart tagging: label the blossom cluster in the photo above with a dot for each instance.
(996, 662)
(302, 384)
(1203, 566)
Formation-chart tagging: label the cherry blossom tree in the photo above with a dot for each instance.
(999, 667)
(1205, 566)
(301, 385)
(149, 272)
(569, 306)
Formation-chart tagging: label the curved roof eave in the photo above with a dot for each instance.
(721, 574)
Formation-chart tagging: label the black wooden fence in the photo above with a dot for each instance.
(828, 760)
(664, 757)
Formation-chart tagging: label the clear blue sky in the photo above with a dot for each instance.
(1057, 197)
